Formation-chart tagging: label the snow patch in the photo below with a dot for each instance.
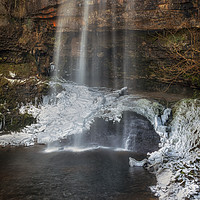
(12, 74)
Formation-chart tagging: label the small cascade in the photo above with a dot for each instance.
(80, 76)
(59, 47)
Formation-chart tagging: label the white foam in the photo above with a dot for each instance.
(52, 149)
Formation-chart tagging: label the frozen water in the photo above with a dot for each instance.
(177, 162)
(135, 163)
(73, 110)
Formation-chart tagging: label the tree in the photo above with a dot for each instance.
(183, 48)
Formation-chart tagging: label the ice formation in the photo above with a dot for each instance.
(73, 110)
(177, 163)
(135, 163)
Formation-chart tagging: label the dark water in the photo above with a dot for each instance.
(29, 173)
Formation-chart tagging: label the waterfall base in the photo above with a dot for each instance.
(133, 133)
(26, 173)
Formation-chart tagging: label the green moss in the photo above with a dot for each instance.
(196, 94)
(21, 70)
(171, 39)
(18, 121)
(15, 92)
(11, 97)
(13, 120)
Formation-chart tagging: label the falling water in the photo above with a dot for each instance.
(127, 137)
(88, 66)
(114, 48)
(65, 11)
(98, 54)
(82, 61)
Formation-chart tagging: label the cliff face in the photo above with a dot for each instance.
(23, 60)
(27, 30)
(28, 27)
(27, 37)
(135, 14)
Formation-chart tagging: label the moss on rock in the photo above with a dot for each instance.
(19, 84)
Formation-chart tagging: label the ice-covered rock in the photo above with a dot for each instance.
(135, 163)
(179, 155)
(165, 116)
(73, 110)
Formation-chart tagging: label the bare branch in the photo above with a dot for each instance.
(184, 50)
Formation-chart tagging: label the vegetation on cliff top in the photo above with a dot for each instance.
(183, 48)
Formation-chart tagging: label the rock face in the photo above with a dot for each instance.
(136, 14)
(136, 23)
(21, 68)
(28, 27)
(27, 35)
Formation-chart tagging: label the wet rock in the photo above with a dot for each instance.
(134, 133)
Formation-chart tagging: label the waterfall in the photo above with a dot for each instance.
(82, 61)
(64, 12)
(99, 54)
(114, 48)
(90, 46)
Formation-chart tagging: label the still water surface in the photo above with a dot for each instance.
(29, 173)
